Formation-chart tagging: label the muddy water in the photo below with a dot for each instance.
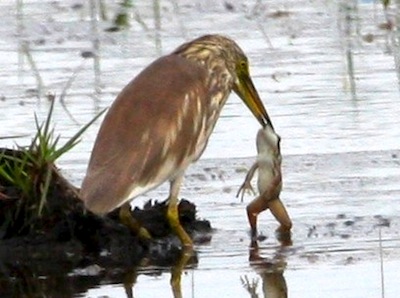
(341, 137)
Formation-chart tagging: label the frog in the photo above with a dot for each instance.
(269, 183)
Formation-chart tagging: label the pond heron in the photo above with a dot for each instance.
(160, 123)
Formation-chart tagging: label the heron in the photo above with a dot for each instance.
(160, 123)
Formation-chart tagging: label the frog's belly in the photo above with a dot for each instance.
(266, 180)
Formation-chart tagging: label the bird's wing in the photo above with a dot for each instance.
(147, 134)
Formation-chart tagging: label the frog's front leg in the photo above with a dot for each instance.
(246, 186)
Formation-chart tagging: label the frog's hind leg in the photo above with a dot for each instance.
(255, 207)
(278, 210)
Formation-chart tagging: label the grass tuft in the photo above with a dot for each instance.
(28, 175)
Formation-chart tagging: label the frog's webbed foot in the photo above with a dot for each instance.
(245, 187)
(284, 236)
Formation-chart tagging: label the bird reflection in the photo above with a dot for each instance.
(270, 271)
(20, 279)
(187, 257)
(176, 271)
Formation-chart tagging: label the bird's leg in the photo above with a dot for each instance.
(129, 282)
(128, 220)
(246, 186)
(173, 215)
(253, 209)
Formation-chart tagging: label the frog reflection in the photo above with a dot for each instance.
(270, 272)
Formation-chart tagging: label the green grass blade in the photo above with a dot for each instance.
(75, 138)
(44, 191)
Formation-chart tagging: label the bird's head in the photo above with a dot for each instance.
(220, 52)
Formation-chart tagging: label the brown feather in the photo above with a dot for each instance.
(123, 158)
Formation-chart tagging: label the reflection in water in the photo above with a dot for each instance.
(44, 280)
(70, 278)
(348, 11)
(270, 272)
(187, 257)
(176, 271)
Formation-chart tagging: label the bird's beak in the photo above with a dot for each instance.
(245, 89)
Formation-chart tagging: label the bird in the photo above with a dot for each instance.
(160, 123)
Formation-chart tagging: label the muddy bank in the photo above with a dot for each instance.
(67, 242)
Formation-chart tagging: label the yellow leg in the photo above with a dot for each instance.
(129, 282)
(127, 219)
(173, 215)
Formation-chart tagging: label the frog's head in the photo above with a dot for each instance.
(268, 141)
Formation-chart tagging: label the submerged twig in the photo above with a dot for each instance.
(157, 26)
(350, 71)
(396, 42)
(67, 87)
(20, 29)
(26, 51)
(264, 34)
(102, 10)
(139, 20)
(349, 9)
(381, 261)
(95, 46)
(178, 17)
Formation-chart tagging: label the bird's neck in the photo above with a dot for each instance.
(219, 80)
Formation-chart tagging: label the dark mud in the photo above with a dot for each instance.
(67, 242)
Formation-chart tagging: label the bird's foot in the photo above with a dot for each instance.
(144, 234)
(129, 221)
(173, 218)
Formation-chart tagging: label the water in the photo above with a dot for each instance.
(340, 140)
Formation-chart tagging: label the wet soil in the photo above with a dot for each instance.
(68, 240)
